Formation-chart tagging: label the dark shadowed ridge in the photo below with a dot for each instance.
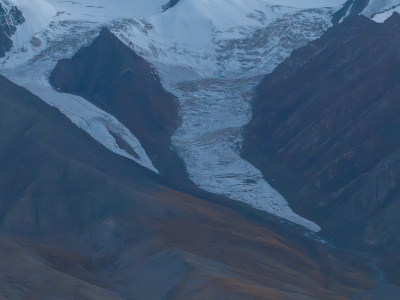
(326, 133)
(113, 77)
(350, 9)
(170, 4)
(9, 20)
(79, 222)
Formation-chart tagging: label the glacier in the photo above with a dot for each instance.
(210, 54)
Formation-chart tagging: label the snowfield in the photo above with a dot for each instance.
(215, 38)
(209, 53)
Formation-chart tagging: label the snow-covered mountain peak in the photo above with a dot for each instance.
(194, 33)
(105, 10)
(214, 38)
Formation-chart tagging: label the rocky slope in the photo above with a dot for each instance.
(95, 225)
(104, 224)
(10, 18)
(327, 119)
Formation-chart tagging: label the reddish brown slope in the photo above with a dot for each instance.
(92, 224)
(326, 132)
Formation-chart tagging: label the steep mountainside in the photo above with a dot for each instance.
(113, 77)
(109, 159)
(10, 18)
(329, 117)
(95, 225)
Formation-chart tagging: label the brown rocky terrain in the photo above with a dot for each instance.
(325, 132)
(79, 222)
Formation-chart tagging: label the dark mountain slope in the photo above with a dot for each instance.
(350, 9)
(113, 77)
(91, 225)
(9, 20)
(326, 132)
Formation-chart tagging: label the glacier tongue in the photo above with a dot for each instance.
(210, 54)
(209, 141)
(214, 79)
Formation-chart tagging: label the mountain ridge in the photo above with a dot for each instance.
(330, 123)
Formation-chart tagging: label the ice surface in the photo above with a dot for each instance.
(215, 38)
(210, 138)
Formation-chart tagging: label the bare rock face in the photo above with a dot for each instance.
(329, 117)
(113, 77)
(9, 20)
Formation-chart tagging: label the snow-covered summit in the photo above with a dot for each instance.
(193, 34)
(226, 37)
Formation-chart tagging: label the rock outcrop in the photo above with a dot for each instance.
(170, 4)
(10, 18)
